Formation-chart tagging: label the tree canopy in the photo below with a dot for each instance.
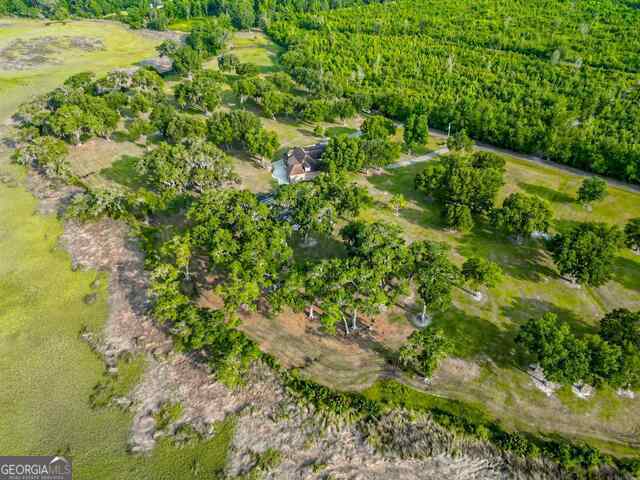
(585, 253)
(521, 215)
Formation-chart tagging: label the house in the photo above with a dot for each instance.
(302, 163)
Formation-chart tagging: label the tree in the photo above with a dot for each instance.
(186, 61)
(227, 62)
(550, 342)
(377, 127)
(479, 271)
(180, 250)
(167, 48)
(458, 216)
(424, 349)
(262, 144)
(416, 130)
(283, 81)
(621, 326)
(397, 202)
(246, 69)
(185, 129)
(174, 169)
(379, 152)
(242, 14)
(82, 80)
(457, 180)
(592, 190)
(460, 141)
(247, 250)
(377, 262)
(314, 207)
(632, 234)
(244, 88)
(46, 153)
(521, 215)
(344, 153)
(68, 123)
(482, 159)
(202, 93)
(585, 253)
(207, 37)
(434, 275)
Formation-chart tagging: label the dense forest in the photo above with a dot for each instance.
(158, 14)
(558, 79)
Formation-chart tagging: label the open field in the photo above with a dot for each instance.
(48, 372)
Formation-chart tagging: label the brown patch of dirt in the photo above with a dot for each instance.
(26, 54)
(457, 369)
(347, 362)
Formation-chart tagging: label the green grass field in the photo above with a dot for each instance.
(48, 373)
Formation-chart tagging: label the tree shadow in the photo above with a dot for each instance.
(522, 310)
(563, 225)
(473, 336)
(546, 193)
(523, 261)
(626, 271)
(338, 130)
(123, 171)
(322, 247)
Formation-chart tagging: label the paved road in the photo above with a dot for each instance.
(422, 158)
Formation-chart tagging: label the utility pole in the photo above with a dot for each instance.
(449, 130)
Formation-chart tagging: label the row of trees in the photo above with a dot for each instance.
(611, 356)
(276, 97)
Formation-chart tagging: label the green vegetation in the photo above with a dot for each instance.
(423, 351)
(586, 252)
(546, 77)
(464, 184)
(251, 252)
(49, 370)
(167, 414)
(119, 384)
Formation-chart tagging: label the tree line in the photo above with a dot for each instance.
(504, 84)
